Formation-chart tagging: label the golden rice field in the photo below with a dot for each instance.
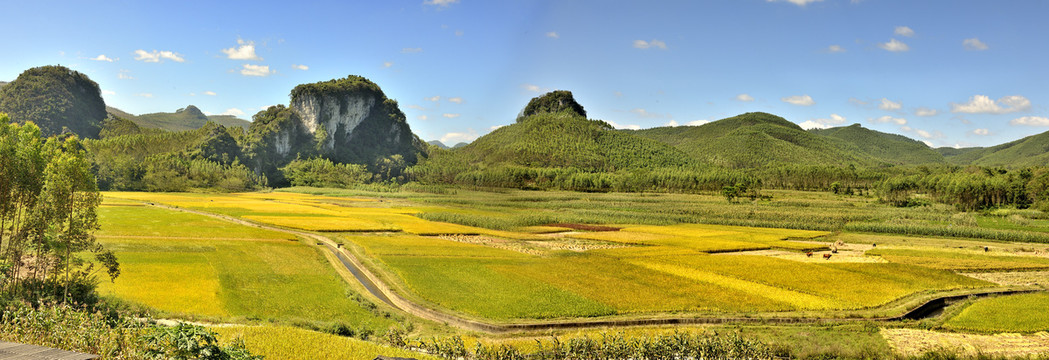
(525, 272)
(288, 343)
(193, 266)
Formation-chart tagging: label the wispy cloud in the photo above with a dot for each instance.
(904, 31)
(108, 92)
(245, 50)
(744, 97)
(553, 35)
(658, 44)
(890, 119)
(387, 64)
(982, 104)
(894, 46)
(411, 50)
(422, 117)
(440, 3)
(698, 122)
(801, 3)
(450, 116)
(157, 56)
(926, 112)
(457, 137)
(982, 132)
(103, 57)
(233, 112)
(617, 126)
(145, 95)
(210, 93)
(457, 100)
(1031, 121)
(974, 44)
(300, 67)
(125, 74)
(434, 98)
(802, 100)
(835, 49)
(534, 88)
(256, 70)
(889, 105)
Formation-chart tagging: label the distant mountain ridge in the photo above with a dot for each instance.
(188, 118)
(884, 147)
(1029, 151)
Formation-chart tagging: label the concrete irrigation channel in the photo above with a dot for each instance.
(931, 308)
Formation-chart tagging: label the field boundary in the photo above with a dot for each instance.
(384, 293)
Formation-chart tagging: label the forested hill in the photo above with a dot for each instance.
(188, 118)
(1029, 151)
(57, 99)
(888, 148)
(756, 140)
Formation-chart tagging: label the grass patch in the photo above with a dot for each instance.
(281, 342)
(1023, 313)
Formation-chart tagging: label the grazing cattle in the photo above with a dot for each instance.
(874, 245)
(826, 256)
(986, 249)
(809, 254)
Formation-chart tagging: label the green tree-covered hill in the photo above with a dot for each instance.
(57, 99)
(888, 148)
(188, 118)
(1029, 151)
(757, 140)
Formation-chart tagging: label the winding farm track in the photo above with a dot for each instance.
(380, 290)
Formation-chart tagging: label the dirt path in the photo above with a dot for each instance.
(384, 293)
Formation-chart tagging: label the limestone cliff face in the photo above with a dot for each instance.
(332, 115)
(346, 120)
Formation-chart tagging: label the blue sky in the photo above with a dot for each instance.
(951, 73)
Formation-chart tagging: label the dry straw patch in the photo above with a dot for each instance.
(913, 342)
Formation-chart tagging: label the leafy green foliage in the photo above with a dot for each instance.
(552, 102)
(350, 85)
(319, 172)
(57, 99)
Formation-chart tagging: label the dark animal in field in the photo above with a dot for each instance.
(826, 256)
(874, 245)
(809, 254)
(986, 249)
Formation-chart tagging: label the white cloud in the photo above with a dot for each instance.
(442, 3)
(244, 51)
(926, 112)
(982, 132)
(801, 3)
(434, 98)
(698, 122)
(233, 111)
(495, 127)
(256, 70)
(803, 100)
(835, 49)
(923, 133)
(411, 50)
(928, 143)
(744, 98)
(457, 100)
(553, 34)
(659, 44)
(890, 119)
(422, 117)
(459, 33)
(904, 31)
(894, 46)
(889, 105)
(645, 114)
(974, 44)
(982, 104)
(618, 93)
(450, 116)
(416, 107)
(210, 93)
(103, 57)
(157, 56)
(617, 126)
(124, 75)
(387, 64)
(108, 92)
(834, 119)
(672, 123)
(300, 67)
(145, 95)
(1031, 121)
(857, 102)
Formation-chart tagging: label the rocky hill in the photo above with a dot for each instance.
(57, 99)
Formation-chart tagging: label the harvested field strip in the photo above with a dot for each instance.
(326, 224)
(797, 299)
(288, 343)
(411, 245)
(961, 260)
(914, 342)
